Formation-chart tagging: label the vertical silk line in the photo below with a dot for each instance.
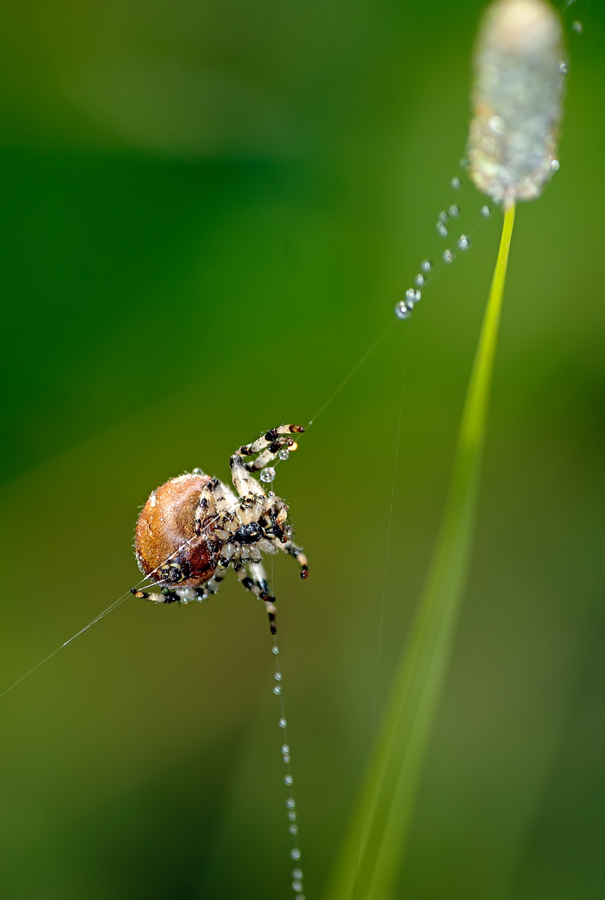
(382, 601)
(368, 868)
(297, 873)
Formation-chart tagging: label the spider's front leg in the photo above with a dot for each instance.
(255, 580)
(268, 446)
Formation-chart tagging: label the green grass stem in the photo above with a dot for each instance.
(374, 845)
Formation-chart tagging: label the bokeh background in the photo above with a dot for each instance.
(207, 213)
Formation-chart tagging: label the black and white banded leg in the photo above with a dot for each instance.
(254, 579)
(268, 446)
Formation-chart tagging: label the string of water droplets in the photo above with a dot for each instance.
(297, 873)
(429, 271)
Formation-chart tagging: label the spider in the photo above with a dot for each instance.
(194, 527)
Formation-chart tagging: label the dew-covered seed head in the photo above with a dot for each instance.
(517, 99)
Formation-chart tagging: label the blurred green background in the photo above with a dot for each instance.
(207, 213)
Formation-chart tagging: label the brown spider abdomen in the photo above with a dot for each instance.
(167, 547)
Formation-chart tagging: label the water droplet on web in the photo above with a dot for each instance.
(464, 163)
(277, 676)
(293, 829)
(577, 27)
(275, 650)
(290, 803)
(297, 886)
(286, 758)
(486, 211)
(443, 216)
(282, 723)
(464, 242)
(454, 211)
(292, 816)
(456, 184)
(563, 67)
(410, 297)
(402, 311)
(284, 454)
(426, 265)
(285, 748)
(267, 474)
(441, 229)
(555, 165)
(419, 279)
(277, 689)
(297, 874)
(448, 256)
(295, 853)
(288, 779)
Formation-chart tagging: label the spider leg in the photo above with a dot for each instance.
(268, 446)
(254, 579)
(294, 550)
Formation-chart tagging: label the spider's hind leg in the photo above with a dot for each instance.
(255, 580)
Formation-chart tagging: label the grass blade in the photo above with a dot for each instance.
(374, 846)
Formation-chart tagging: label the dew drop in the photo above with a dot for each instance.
(284, 453)
(555, 165)
(456, 184)
(286, 758)
(293, 829)
(443, 216)
(426, 265)
(267, 474)
(285, 748)
(448, 256)
(454, 211)
(577, 27)
(292, 816)
(464, 163)
(496, 123)
(282, 723)
(290, 803)
(197, 471)
(271, 494)
(417, 296)
(441, 229)
(277, 676)
(277, 689)
(297, 886)
(297, 874)
(419, 279)
(563, 67)
(275, 650)
(295, 853)
(402, 311)
(464, 242)
(410, 296)
(288, 779)
(486, 211)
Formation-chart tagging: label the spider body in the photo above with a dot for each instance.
(195, 527)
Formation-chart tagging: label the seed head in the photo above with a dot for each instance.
(517, 100)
